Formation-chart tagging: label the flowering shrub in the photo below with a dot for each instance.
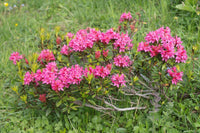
(95, 69)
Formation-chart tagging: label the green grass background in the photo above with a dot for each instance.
(72, 15)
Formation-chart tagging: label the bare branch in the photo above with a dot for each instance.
(122, 109)
(92, 106)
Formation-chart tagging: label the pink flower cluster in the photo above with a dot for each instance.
(99, 71)
(71, 75)
(161, 42)
(122, 61)
(65, 50)
(15, 56)
(125, 16)
(82, 40)
(87, 38)
(42, 98)
(98, 53)
(118, 80)
(70, 35)
(123, 42)
(46, 55)
(57, 79)
(28, 78)
(176, 76)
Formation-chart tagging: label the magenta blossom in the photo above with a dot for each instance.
(46, 55)
(181, 55)
(57, 85)
(15, 57)
(122, 61)
(70, 35)
(125, 17)
(87, 71)
(97, 54)
(144, 46)
(105, 53)
(123, 42)
(73, 75)
(176, 76)
(155, 50)
(49, 74)
(82, 41)
(65, 50)
(160, 42)
(42, 98)
(118, 80)
(28, 78)
(101, 71)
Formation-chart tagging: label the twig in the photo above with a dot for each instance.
(122, 109)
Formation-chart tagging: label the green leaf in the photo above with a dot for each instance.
(57, 113)
(92, 102)
(121, 130)
(48, 111)
(59, 103)
(64, 109)
(186, 7)
(197, 124)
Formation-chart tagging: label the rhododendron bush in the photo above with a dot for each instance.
(100, 70)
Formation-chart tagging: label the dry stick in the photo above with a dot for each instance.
(141, 95)
(97, 107)
(115, 99)
(123, 109)
(120, 109)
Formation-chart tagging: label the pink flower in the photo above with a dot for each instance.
(28, 78)
(101, 71)
(155, 36)
(109, 66)
(118, 80)
(82, 41)
(57, 85)
(105, 53)
(181, 54)
(122, 61)
(155, 50)
(15, 57)
(105, 38)
(167, 45)
(76, 74)
(26, 61)
(176, 76)
(58, 40)
(49, 74)
(167, 52)
(89, 70)
(38, 75)
(125, 16)
(42, 98)
(97, 54)
(65, 50)
(73, 75)
(70, 35)
(64, 76)
(123, 42)
(178, 41)
(144, 46)
(46, 55)
(94, 35)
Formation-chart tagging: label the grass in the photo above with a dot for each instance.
(179, 115)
